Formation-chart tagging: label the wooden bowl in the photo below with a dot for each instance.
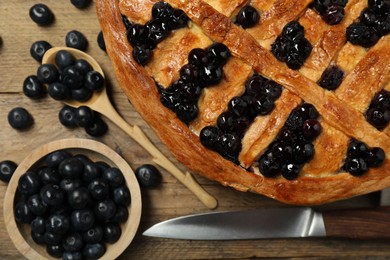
(96, 151)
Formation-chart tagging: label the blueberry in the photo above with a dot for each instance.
(368, 17)
(72, 77)
(38, 49)
(293, 31)
(382, 24)
(148, 176)
(263, 106)
(331, 78)
(57, 224)
(47, 73)
(36, 205)
(100, 41)
(229, 144)
(189, 73)
(33, 88)
(93, 235)
(104, 209)
(355, 166)
(82, 219)
(22, 213)
(93, 251)
(254, 86)
(114, 177)
(272, 89)
(7, 169)
(226, 120)
(378, 117)
(157, 30)
(29, 183)
(38, 225)
(72, 255)
(80, 3)
(63, 59)
(290, 171)
(121, 195)
(311, 129)
(210, 75)
(209, 137)
(190, 91)
(73, 242)
(357, 149)
(68, 185)
(111, 232)
(97, 128)
(268, 167)
(177, 19)
(187, 112)
(94, 80)
(41, 14)
(81, 94)
(360, 34)
(280, 48)
(83, 66)
(307, 111)
(38, 237)
(137, 35)
(77, 40)
(67, 116)
(52, 239)
(376, 157)
(55, 158)
(161, 10)
(198, 57)
(238, 106)
(121, 214)
(218, 53)
(84, 116)
(52, 194)
(382, 99)
(71, 168)
(58, 91)
(298, 53)
(49, 175)
(91, 172)
(303, 152)
(79, 198)
(142, 54)
(380, 6)
(247, 17)
(321, 5)
(55, 250)
(99, 189)
(334, 14)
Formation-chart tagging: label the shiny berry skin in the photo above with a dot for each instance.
(210, 75)
(298, 53)
(80, 3)
(63, 59)
(55, 250)
(22, 213)
(93, 235)
(157, 30)
(38, 237)
(137, 35)
(104, 209)
(83, 66)
(52, 194)
(81, 94)
(55, 158)
(79, 198)
(77, 40)
(378, 117)
(280, 48)
(7, 169)
(49, 175)
(100, 41)
(57, 224)
(72, 256)
(113, 176)
(84, 116)
(380, 6)
(225, 121)
(290, 171)
(303, 152)
(218, 54)
(93, 251)
(41, 14)
(38, 49)
(69, 185)
(186, 112)
(263, 106)
(111, 232)
(73, 242)
(229, 145)
(198, 57)
(33, 88)
(368, 17)
(82, 219)
(334, 14)
(161, 10)
(376, 157)
(177, 19)
(94, 80)
(189, 73)
(209, 137)
(331, 78)
(66, 116)
(268, 167)
(72, 77)
(121, 214)
(121, 195)
(99, 189)
(91, 172)
(293, 31)
(29, 183)
(52, 239)
(272, 89)
(238, 106)
(38, 225)
(58, 91)
(47, 73)
(307, 111)
(148, 176)
(71, 168)
(357, 149)
(254, 86)
(36, 205)
(247, 17)
(142, 54)
(97, 128)
(311, 129)
(360, 34)
(355, 166)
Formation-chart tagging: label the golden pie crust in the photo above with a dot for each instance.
(341, 111)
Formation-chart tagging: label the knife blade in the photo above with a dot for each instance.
(276, 223)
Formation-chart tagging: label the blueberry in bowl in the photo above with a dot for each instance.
(51, 209)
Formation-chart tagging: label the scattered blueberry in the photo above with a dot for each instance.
(331, 78)
(81, 3)
(148, 176)
(67, 116)
(38, 49)
(33, 88)
(7, 169)
(47, 73)
(77, 40)
(94, 80)
(41, 14)
(100, 41)
(247, 17)
(84, 116)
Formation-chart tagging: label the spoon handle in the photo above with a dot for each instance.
(159, 158)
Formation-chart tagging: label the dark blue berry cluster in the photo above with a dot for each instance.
(258, 99)
(331, 11)
(247, 17)
(204, 68)
(293, 147)
(374, 22)
(291, 46)
(331, 78)
(144, 38)
(378, 113)
(73, 205)
(360, 158)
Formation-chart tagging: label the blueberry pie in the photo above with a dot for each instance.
(286, 98)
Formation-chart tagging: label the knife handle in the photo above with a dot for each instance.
(358, 223)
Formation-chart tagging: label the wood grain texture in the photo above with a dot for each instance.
(170, 199)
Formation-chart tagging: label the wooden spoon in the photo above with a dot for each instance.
(100, 102)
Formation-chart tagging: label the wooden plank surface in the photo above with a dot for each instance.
(170, 199)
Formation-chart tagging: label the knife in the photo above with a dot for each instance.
(277, 223)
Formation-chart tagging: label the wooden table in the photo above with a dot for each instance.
(170, 199)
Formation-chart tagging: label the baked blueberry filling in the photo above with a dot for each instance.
(331, 11)
(144, 38)
(247, 17)
(331, 78)
(291, 46)
(293, 147)
(378, 113)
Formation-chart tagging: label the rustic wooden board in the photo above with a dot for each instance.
(169, 200)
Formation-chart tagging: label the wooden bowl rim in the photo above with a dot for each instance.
(114, 250)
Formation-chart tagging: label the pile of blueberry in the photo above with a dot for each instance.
(293, 147)
(258, 99)
(331, 11)
(378, 113)
(144, 38)
(247, 17)
(360, 158)
(374, 22)
(73, 205)
(331, 78)
(291, 46)
(204, 68)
